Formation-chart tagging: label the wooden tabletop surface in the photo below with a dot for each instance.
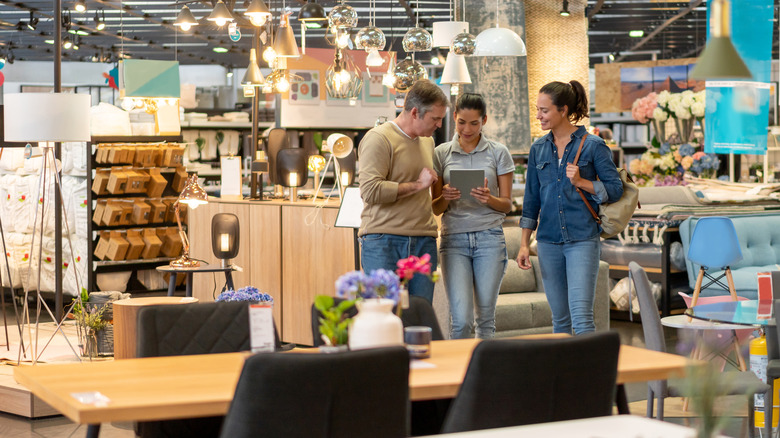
(202, 385)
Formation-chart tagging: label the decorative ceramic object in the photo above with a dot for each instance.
(375, 325)
(417, 40)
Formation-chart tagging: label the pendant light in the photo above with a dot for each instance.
(284, 41)
(220, 15)
(374, 59)
(185, 20)
(720, 60)
(417, 39)
(445, 31)
(499, 41)
(343, 80)
(371, 38)
(407, 72)
(565, 11)
(456, 72)
(258, 13)
(388, 80)
(253, 76)
(312, 15)
(343, 16)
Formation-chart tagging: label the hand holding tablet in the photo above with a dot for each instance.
(466, 179)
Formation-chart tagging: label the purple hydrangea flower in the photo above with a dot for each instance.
(351, 285)
(248, 293)
(384, 284)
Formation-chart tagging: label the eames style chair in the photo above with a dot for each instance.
(739, 382)
(512, 382)
(361, 393)
(201, 328)
(714, 246)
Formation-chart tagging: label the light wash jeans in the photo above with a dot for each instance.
(382, 251)
(569, 273)
(473, 266)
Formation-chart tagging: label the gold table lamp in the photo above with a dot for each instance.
(192, 195)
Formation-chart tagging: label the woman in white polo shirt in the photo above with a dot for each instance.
(473, 250)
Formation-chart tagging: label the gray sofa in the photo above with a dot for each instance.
(522, 306)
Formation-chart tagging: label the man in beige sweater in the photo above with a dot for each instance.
(396, 172)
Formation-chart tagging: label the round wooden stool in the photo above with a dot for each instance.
(125, 314)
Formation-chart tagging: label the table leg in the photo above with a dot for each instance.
(93, 430)
(188, 292)
(229, 280)
(172, 284)
(621, 400)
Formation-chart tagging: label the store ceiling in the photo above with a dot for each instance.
(143, 29)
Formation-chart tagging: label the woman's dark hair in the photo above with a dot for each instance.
(471, 101)
(571, 95)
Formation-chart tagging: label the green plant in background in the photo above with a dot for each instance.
(201, 143)
(520, 168)
(334, 323)
(90, 317)
(220, 136)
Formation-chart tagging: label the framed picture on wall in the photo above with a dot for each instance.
(308, 91)
(374, 92)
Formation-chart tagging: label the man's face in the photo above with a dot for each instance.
(431, 121)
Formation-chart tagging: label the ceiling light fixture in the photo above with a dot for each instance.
(343, 80)
(33, 23)
(284, 41)
(343, 16)
(720, 60)
(565, 11)
(100, 19)
(406, 73)
(80, 6)
(219, 49)
(220, 15)
(499, 41)
(417, 39)
(258, 13)
(636, 33)
(312, 15)
(185, 20)
(253, 76)
(67, 43)
(455, 72)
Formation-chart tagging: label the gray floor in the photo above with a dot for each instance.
(57, 427)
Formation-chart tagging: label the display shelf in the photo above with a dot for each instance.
(137, 139)
(223, 125)
(108, 264)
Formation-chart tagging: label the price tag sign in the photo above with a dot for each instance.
(234, 32)
(261, 328)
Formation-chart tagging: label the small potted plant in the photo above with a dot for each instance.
(334, 322)
(91, 326)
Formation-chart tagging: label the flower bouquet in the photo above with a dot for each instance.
(684, 108)
(247, 293)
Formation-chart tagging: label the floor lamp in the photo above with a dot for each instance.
(46, 118)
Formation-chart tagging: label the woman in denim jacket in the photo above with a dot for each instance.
(567, 236)
(473, 249)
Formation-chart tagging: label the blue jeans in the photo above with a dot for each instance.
(382, 251)
(473, 265)
(569, 273)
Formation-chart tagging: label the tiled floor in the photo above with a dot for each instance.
(57, 427)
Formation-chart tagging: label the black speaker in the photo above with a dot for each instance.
(292, 160)
(277, 140)
(225, 235)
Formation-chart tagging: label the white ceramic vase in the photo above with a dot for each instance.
(375, 325)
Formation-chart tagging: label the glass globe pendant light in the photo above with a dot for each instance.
(407, 72)
(343, 16)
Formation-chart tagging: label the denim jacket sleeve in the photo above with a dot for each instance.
(532, 196)
(607, 172)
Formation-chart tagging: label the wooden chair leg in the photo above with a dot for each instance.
(732, 289)
(697, 289)
(738, 352)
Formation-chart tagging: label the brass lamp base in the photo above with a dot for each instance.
(184, 262)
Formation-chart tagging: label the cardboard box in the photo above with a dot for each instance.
(117, 182)
(97, 215)
(136, 244)
(152, 244)
(101, 153)
(140, 155)
(141, 212)
(100, 183)
(129, 153)
(102, 245)
(136, 181)
(116, 155)
(117, 246)
(127, 213)
(112, 214)
(179, 179)
(156, 157)
(173, 156)
(159, 209)
(170, 212)
(156, 185)
(171, 243)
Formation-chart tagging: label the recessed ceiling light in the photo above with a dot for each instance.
(49, 41)
(636, 33)
(80, 6)
(220, 49)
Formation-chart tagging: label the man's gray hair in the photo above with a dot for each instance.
(423, 95)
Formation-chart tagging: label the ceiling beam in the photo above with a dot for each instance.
(693, 4)
(596, 8)
(409, 11)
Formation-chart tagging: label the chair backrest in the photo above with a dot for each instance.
(511, 382)
(200, 328)
(354, 394)
(420, 312)
(714, 243)
(648, 309)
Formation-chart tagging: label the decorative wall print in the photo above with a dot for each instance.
(671, 78)
(308, 91)
(635, 83)
(374, 93)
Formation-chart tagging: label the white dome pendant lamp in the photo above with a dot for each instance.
(499, 41)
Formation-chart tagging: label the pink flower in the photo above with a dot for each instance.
(411, 265)
(698, 155)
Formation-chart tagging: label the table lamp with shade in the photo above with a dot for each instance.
(192, 195)
(292, 169)
(225, 234)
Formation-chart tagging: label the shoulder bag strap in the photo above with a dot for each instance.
(582, 195)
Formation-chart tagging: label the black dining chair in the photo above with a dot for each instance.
(737, 382)
(361, 393)
(511, 382)
(201, 328)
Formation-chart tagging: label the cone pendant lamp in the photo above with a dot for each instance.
(720, 60)
(455, 70)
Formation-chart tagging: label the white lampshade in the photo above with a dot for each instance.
(38, 117)
(499, 41)
(455, 70)
(445, 31)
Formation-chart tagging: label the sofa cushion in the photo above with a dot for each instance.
(521, 311)
(517, 280)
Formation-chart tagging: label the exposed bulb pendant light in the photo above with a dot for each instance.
(284, 41)
(499, 41)
(374, 59)
(220, 15)
(185, 20)
(343, 79)
(565, 11)
(258, 13)
(253, 76)
(720, 59)
(388, 80)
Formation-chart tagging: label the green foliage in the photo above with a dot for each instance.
(200, 142)
(334, 323)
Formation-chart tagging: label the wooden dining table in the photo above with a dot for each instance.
(172, 387)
